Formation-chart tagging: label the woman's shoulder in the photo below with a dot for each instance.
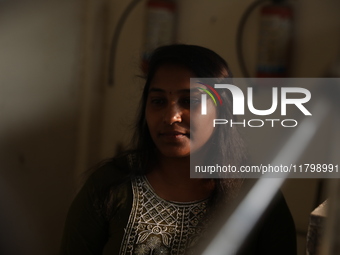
(112, 172)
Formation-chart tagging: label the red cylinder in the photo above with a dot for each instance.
(274, 48)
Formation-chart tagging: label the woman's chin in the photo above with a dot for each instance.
(175, 153)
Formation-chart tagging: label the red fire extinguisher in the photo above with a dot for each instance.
(160, 26)
(275, 39)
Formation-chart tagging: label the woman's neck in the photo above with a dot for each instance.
(170, 178)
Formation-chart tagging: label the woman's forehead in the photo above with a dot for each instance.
(174, 79)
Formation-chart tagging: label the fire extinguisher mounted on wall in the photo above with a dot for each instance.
(160, 30)
(160, 26)
(275, 39)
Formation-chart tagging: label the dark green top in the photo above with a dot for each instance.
(99, 215)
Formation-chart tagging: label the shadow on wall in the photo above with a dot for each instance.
(36, 185)
(40, 68)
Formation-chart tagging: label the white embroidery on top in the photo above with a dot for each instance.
(157, 226)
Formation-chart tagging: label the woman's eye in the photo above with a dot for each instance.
(157, 101)
(189, 102)
(192, 101)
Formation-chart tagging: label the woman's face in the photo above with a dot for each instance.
(170, 104)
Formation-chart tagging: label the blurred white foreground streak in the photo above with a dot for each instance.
(239, 225)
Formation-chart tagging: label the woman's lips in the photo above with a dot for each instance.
(174, 135)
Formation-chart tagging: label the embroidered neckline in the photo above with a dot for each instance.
(157, 226)
(176, 203)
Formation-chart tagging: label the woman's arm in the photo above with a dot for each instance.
(275, 232)
(85, 228)
(87, 225)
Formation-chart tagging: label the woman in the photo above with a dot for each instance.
(145, 202)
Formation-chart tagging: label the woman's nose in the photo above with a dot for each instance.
(172, 114)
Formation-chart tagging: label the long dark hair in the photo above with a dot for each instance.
(203, 63)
